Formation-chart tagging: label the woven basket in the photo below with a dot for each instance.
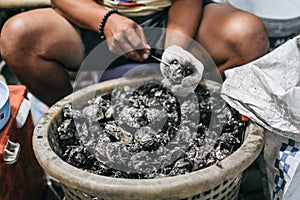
(213, 182)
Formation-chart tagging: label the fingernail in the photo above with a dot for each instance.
(145, 56)
(146, 53)
(148, 46)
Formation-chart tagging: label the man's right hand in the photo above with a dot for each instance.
(125, 37)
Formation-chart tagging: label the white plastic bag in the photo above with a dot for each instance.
(267, 90)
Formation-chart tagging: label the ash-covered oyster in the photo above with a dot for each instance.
(175, 72)
(181, 70)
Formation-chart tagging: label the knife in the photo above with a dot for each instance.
(160, 60)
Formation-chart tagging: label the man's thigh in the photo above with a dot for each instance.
(45, 33)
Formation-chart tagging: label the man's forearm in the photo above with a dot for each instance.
(83, 13)
(184, 17)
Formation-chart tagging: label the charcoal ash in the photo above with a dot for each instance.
(148, 133)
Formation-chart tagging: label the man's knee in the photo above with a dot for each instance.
(13, 34)
(248, 36)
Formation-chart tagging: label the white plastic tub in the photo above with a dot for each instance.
(4, 104)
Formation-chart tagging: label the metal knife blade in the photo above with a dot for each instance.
(160, 60)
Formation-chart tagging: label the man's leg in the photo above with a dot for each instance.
(231, 37)
(38, 45)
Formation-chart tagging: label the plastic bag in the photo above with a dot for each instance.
(267, 90)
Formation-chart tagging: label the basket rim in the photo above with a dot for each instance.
(204, 179)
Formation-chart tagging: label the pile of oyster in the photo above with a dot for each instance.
(147, 132)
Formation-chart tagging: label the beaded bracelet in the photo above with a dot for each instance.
(106, 16)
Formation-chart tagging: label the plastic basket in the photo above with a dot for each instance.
(214, 182)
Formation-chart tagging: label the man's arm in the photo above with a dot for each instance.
(83, 13)
(184, 17)
(123, 35)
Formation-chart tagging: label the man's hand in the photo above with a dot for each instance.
(184, 71)
(125, 37)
